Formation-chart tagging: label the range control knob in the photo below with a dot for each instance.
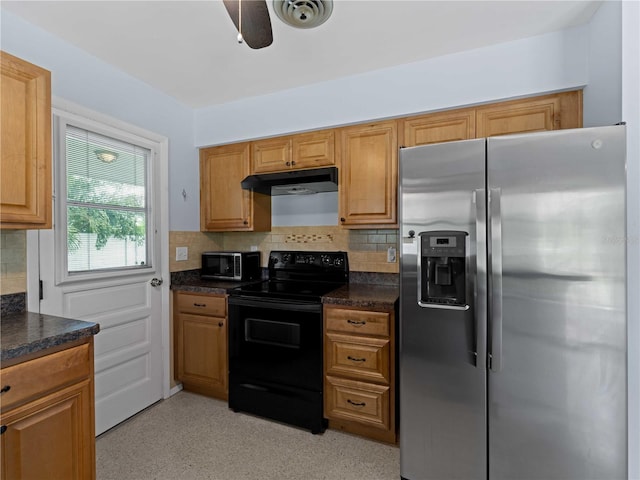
(326, 259)
(338, 262)
(273, 260)
(286, 257)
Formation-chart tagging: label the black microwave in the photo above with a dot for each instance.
(235, 266)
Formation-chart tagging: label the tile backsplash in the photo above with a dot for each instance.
(13, 261)
(367, 248)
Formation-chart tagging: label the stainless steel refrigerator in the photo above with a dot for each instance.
(512, 307)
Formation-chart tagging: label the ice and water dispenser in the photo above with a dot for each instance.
(443, 269)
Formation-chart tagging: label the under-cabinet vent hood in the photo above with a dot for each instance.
(296, 182)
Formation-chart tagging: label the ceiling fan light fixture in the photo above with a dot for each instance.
(106, 156)
(303, 13)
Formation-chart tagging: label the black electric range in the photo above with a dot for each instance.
(275, 338)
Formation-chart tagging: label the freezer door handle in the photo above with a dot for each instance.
(480, 287)
(495, 285)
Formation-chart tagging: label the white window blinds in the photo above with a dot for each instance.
(106, 202)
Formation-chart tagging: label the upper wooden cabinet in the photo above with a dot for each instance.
(25, 144)
(306, 150)
(316, 149)
(438, 127)
(224, 204)
(368, 175)
(549, 112)
(271, 155)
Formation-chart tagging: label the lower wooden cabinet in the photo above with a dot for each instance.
(360, 371)
(201, 343)
(48, 417)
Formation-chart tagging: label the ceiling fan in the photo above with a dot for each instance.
(251, 17)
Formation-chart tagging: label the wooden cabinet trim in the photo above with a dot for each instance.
(26, 144)
(34, 378)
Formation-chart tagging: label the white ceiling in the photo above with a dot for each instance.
(188, 49)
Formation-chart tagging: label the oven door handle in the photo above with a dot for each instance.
(275, 304)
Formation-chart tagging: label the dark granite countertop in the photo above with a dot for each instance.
(26, 333)
(363, 295)
(206, 286)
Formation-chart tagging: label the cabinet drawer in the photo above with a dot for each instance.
(357, 321)
(365, 358)
(37, 377)
(361, 402)
(202, 305)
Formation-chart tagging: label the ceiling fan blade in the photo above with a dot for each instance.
(256, 24)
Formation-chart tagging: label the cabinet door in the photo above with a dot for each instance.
(311, 150)
(202, 352)
(550, 112)
(368, 175)
(25, 130)
(438, 127)
(224, 204)
(50, 437)
(271, 155)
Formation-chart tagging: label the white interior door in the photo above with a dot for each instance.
(102, 262)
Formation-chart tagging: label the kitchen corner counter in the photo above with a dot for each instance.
(27, 334)
(363, 295)
(196, 285)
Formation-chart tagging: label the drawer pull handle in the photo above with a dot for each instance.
(199, 304)
(3, 429)
(357, 323)
(356, 404)
(5, 389)
(354, 359)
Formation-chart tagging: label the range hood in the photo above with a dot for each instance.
(296, 182)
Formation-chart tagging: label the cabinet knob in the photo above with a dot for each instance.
(342, 219)
(3, 429)
(246, 222)
(221, 324)
(293, 162)
(288, 164)
(5, 389)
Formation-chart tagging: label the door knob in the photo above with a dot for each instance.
(156, 282)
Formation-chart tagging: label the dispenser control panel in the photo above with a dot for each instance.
(443, 269)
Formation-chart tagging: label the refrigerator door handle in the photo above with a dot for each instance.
(480, 286)
(495, 285)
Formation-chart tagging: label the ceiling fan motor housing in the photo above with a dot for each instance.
(303, 13)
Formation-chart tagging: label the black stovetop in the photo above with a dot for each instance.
(300, 275)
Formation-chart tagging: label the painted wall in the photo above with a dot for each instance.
(602, 95)
(541, 64)
(83, 79)
(631, 114)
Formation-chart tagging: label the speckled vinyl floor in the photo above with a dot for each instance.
(191, 436)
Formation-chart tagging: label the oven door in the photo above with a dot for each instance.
(276, 342)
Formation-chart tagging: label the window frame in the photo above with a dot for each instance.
(62, 274)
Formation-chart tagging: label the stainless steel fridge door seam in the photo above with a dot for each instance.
(495, 282)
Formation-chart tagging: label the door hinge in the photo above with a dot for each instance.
(40, 290)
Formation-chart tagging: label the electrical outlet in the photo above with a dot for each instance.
(182, 254)
(254, 248)
(391, 255)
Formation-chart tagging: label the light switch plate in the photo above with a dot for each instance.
(391, 255)
(182, 254)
